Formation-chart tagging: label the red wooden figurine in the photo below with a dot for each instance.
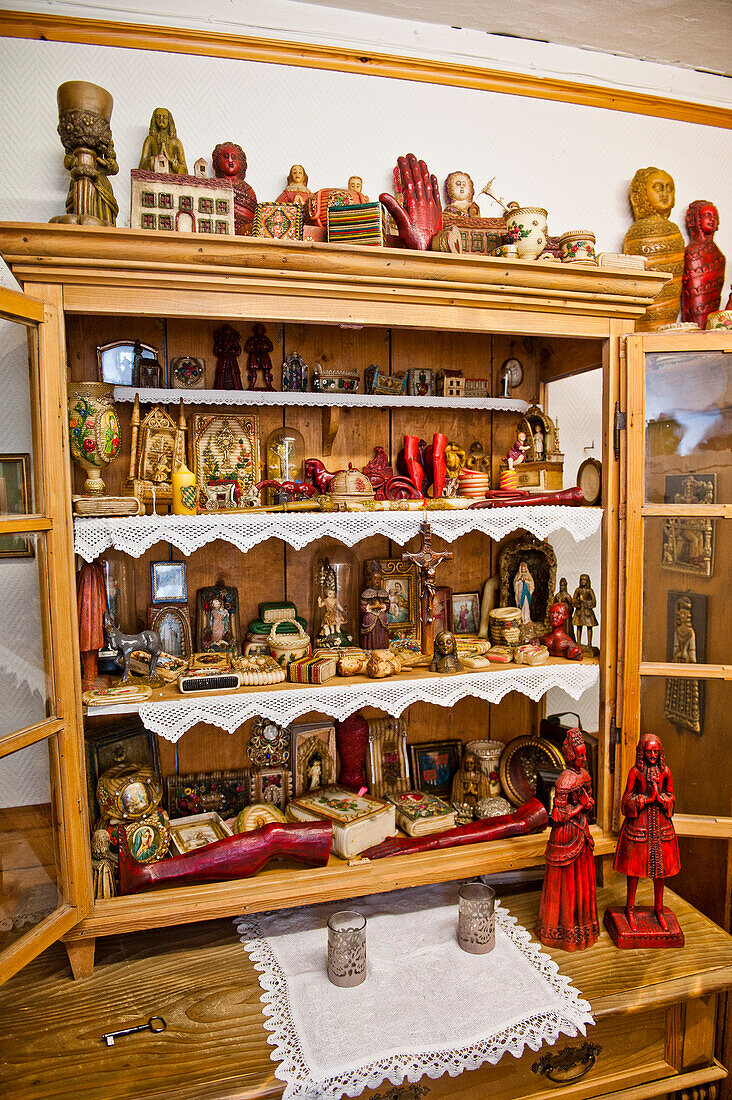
(258, 347)
(647, 848)
(91, 603)
(227, 347)
(559, 642)
(701, 287)
(230, 163)
(568, 911)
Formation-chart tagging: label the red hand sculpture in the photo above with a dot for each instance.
(421, 216)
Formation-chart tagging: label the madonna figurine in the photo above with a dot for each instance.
(647, 848)
(568, 910)
(701, 286)
(559, 642)
(296, 189)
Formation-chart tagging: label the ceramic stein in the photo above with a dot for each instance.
(578, 247)
(93, 430)
(528, 230)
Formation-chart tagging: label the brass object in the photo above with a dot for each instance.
(157, 448)
(656, 238)
(162, 140)
(84, 112)
(558, 1067)
(128, 793)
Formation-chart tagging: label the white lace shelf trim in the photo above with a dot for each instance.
(23, 672)
(134, 535)
(338, 699)
(323, 400)
(532, 1032)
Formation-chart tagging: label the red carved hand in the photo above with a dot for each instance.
(421, 216)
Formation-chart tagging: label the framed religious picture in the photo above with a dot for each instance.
(528, 573)
(312, 755)
(226, 792)
(168, 580)
(387, 761)
(15, 500)
(442, 608)
(434, 764)
(225, 451)
(686, 644)
(217, 620)
(116, 361)
(465, 612)
(401, 582)
(688, 543)
(272, 785)
(197, 831)
(174, 627)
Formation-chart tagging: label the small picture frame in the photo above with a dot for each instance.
(173, 624)
(116, 361)
(188, 373)
(434, 765)
(465, 612)
(187, 834)
(15, 500)
(312, 755)
(387, 760)
(217, 620)
(271, 785)
(401, 583)
(442, 608)
(169, 584)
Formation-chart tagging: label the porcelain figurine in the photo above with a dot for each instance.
(454, 462)
(84, 112)
(558, 642)
(297, 189)
(703, 278)
(518, 451)
(563, 596)
(330, 616)
(421, 216)
(523, 590)
(584, 601)
(659, 240)
(227, 349)
(163, 140)
(459, 192)
(258, 347)
(125, 644)
(230, 163)
(445, 658)
(374, 604)
(470, 785)
(568, 909)
(647, 848)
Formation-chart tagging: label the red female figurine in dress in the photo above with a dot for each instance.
(647, 848)
(703, 278)
(568, 911)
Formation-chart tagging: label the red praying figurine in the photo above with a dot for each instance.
(227, 346)
(559, 642)
(647, 848)
(701, 287)
(568, 911)
(258, 347)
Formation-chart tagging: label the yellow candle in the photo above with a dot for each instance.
(184, 492)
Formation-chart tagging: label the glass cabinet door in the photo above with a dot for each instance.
(678, 557)
(43, 879)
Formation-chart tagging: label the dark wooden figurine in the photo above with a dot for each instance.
(647, 848)
(258, 347)
(568, 910)
(701, 286)
(227, 348)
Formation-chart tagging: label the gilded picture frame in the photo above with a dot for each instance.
(313, 759)
(173, 624)
(15, 500)
(401, 581)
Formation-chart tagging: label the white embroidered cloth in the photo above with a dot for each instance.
(426, 1006)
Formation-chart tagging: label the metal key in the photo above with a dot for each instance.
(154, 1024)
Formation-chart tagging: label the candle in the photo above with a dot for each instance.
(184, 491)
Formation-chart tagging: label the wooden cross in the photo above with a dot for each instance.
(427, 560)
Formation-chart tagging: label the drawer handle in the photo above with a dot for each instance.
(584, 1056)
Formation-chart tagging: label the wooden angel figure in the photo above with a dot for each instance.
(568, 910)
(647, 848)
(258, 347)
(227, 347)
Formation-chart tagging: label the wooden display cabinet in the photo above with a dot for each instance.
(352, 306)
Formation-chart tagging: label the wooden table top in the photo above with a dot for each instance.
(199, 978)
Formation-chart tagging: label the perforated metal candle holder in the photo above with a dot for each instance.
(346, 948)
(476, 918)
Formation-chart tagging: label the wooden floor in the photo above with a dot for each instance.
(199, 979)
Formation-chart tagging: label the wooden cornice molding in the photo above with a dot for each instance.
(57, 28)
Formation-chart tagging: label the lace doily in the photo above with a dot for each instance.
(426, 1007)
(338, 698)
(134, 535)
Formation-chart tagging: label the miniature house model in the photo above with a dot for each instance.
(188, 204)
(543, 467)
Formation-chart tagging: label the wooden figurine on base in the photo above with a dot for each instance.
(470, 785)
(585, 601)
(258, 347)
(568, 911)
(703, 276)
(653, 236)
(162, 139)
(427, 560)
(230, 163)
(647, 848)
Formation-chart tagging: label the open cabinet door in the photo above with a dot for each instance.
(44, 867)
(677, 606)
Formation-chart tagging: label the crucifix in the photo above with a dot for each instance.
(427, 560)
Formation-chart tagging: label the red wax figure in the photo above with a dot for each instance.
(352, 739)
(647, 848)
(258, 347)
(230, 163)
(701, 287)
(91, 603)
(421, 216)
(559, 642)
(227, 346)
(568, 911)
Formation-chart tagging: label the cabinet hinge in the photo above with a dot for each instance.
(619, 424)
(615, 733)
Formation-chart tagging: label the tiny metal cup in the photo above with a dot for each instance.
(476, 919)
(346, 948)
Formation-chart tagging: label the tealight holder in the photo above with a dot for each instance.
(476, 932)
(346, 948)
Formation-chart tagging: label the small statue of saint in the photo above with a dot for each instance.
(470, 785)
(523, 590)
(333, 617)
(104, 864)
(297, 189)
(654, 236)
(584, 610)
(374, 605)
(558, 642)
(162, 140)
(459, 192)
(445, 658)
(229, 162)
(564, 597)
(701, 288)
(568, 910)
(682, 702)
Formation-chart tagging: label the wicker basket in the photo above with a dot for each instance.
(505, 626)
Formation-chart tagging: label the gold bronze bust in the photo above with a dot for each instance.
(656, 238)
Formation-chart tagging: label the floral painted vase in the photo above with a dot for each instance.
(94, 434)
(578, 247)
(527, 229)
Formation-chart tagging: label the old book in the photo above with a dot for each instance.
(358, 821)
(420, 813)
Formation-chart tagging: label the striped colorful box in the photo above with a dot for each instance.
(362, 223)
(311, 670)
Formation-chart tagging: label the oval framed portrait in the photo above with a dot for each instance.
(589, 479)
